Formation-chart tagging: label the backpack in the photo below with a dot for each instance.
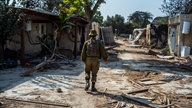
(93, 48)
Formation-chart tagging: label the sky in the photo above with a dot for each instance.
(127, 7)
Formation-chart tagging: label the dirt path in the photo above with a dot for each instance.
(124, 63)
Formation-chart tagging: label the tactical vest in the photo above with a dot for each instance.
(93, 48)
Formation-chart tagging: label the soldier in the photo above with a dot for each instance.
(92, 51)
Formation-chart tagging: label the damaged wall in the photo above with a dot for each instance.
(67, 41)
(40, 26)
(107, 35)
(175, 38)
(31, 41)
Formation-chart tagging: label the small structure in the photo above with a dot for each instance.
(157, 34)
(40, 26)
(106, 34)
(71, 41)
(149, 32)
(139, 36)
(179, 35)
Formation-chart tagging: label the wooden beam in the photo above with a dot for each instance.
(31, 70)
(174, 24)
(144, 102)
(138, 91)
(104, 91)
(183, 66)
(36, 102)
(145, 79)
(22, 49)
(134, 83)
(75, 43)
(118, 105)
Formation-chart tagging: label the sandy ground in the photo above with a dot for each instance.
(125, 64)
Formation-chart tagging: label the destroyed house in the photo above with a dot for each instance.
(179, 36)
(40, 26)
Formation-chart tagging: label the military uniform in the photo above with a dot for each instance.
(92, 62)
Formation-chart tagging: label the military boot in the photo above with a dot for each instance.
(93, 87)
(87, 85)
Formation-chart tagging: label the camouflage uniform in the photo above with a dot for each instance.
(92, 62)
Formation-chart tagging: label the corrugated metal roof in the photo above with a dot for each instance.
(38, 10)
(54, 16)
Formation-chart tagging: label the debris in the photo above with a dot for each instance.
(177, 106)
(118, 105)
(123, 89)
(148, 98)
(134, 46)
(1, 103)
(145, 79)
(138, 91)
(157, 92)
(107, 104)
(154, 44)
(154, 83)
(164, 99)
(172, 78)
(143, 101)
(123, 104)
(130, 106)
(139, 34)
(185, 66)
(36, 102)
(66, 52)
(159, 99)
(104, 91)
(111, 47)
(151, 52)
(134, 83)
(168, 102)
(59, 90)
(31, 70)
(185, 60)
(165, 57)
(181, 59)
(163, 66)
(189, 96)
(47, 61)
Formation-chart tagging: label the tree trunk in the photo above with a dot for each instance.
(90, 13)
(87, 30)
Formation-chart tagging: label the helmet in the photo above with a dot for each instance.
(93, 33)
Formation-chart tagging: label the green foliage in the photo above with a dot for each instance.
(72, 7)
(65, 19)
(173, 7)
(118, 24)
(98, 18)
(167, 50)
(109, 22)
(127, 28)
(10, 18)
(140, 19)
(49, 5)
(160, 20)
(136, 20)
(86, 8)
